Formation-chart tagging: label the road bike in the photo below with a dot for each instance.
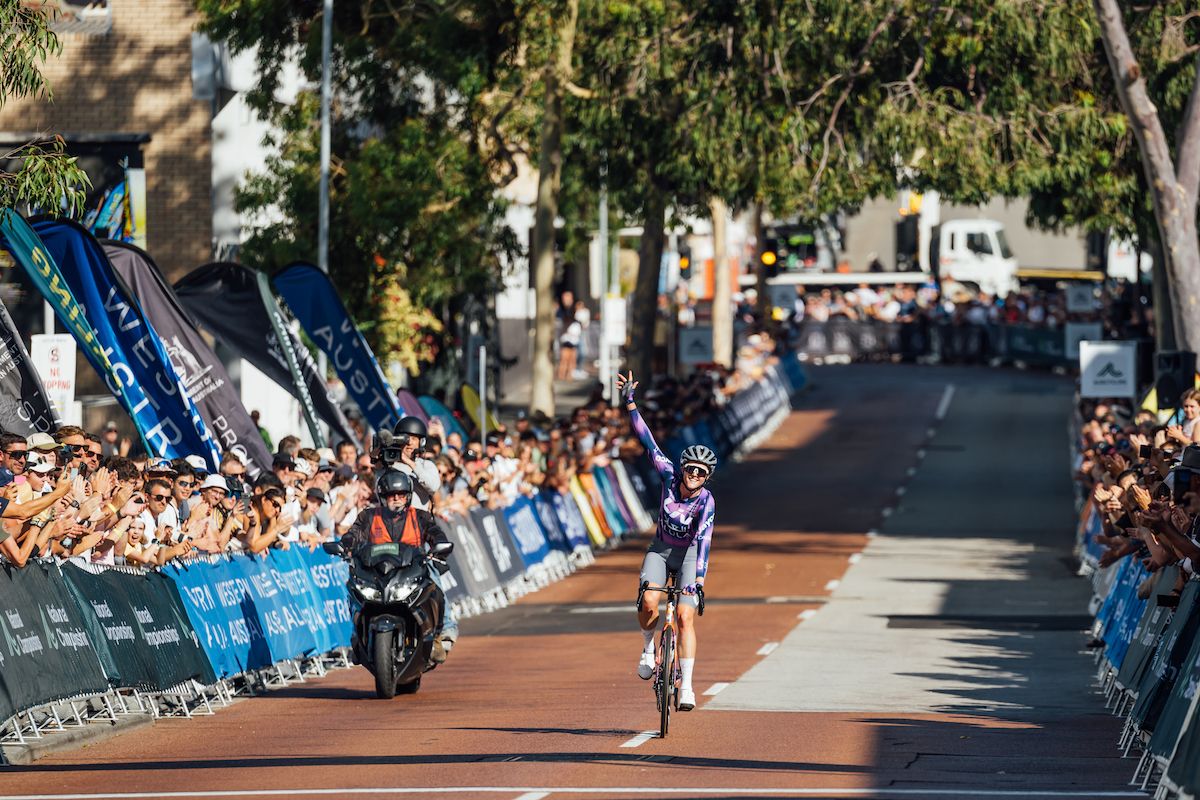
(667, 674)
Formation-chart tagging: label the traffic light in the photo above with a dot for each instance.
(685, 262)
(770, 256)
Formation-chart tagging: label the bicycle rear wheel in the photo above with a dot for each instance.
(666, 681)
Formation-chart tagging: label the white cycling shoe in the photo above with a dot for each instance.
(687, 699)
(645, 666)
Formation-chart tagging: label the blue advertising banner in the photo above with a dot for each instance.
(527, 531)
(251, 611)
(315, 303)
(569, 518)
(555, 535)
(135, 365)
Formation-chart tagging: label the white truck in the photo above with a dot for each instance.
(973, 253)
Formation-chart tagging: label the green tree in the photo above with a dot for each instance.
(46, 177)
(422, 102)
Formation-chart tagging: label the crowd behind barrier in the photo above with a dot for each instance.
(1030, 327)
(1138, 540)
(113, 608)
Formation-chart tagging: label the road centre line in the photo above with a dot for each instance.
(833, 584)
(715, 689)
(808, 613)
(944, 405)
(767, 648)
(650, 791)
(533, 796)
(639, 740)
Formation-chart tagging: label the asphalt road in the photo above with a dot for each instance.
(892, 614)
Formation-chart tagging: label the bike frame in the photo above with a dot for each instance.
(670, 696)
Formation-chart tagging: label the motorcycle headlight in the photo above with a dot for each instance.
(400, 591)
(368, 592)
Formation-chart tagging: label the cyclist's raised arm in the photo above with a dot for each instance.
(708, 518)
(664, 465)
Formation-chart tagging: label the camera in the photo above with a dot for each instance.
(1145, 451)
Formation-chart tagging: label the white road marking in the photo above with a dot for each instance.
(930, 432)
(714, 689)
(944, 405)
(911, 471)
(637, 741)
(833, 584)
(887, 512)
(808, 613)
(871, 534)
(900, 490)
(532, 796)
(855, 558)
(920, 454)
(601, 609)
(767, 648)
(650, 791)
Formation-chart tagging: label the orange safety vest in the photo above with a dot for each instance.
(411, 535)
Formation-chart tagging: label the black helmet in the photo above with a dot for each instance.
(412, 426)
(393, 481)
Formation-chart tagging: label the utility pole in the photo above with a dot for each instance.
(606, 368)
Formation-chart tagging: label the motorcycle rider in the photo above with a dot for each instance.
(395, 518)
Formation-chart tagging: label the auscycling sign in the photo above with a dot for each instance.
(1107, 369)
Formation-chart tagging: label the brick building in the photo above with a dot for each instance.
(123, 89)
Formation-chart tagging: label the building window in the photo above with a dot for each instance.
(88, 17)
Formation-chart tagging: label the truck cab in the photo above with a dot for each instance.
(974, 253)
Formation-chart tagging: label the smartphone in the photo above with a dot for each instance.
(1145, 451)
(74, 473)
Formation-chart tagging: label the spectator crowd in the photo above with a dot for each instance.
(1144, 478)
(78, 495)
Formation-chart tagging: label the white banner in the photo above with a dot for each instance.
(696, 345)
(1081, 297)
(614, 310)
(53, 356)
(1076, 332)
(1107, 369)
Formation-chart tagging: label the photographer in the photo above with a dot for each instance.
(404, 452)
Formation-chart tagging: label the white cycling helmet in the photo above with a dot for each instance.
(699, 454)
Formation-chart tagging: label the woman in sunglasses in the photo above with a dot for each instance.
(680, 545)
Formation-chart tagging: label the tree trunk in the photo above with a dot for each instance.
(645, 293)
(1173, 195)
(541, 255)
(722, 314)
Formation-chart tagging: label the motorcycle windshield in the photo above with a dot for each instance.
(395, 554)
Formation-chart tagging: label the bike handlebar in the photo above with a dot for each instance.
(672, 592)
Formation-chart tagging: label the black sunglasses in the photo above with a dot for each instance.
(694, 470)
(17, 453)
(160, 497)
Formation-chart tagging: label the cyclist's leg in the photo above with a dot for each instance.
(686, 616)
(654, 575)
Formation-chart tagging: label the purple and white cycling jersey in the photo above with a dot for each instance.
(681, 522)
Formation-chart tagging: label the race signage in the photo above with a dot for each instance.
(1107, 369)
(696, 345)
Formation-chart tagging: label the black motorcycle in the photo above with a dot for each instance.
(397, 611)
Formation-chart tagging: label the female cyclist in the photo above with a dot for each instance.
(681, 543)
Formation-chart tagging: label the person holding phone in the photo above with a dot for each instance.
(681, 542)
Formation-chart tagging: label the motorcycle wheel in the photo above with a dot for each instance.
(385, 665)
(409, 688)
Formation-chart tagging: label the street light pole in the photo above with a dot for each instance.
(323, 199)
(605, 367)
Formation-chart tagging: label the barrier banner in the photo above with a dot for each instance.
(313, 299)
(566, 511)
(632, 499)
(556, 536)
(506, 563)
(251, 611)
(47, 653)
(138, 627)
(135, 365)
(507, 533)
(1172, 648)
(24, 407)
(227, 302)
(1125, 579)
(608, 502)
(591, 497)
(215, 395)
(470, 557)
(526, 527)
(614, 489)
(1178, 703)
(1154, 620)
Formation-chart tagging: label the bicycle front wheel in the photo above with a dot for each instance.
(666, 681)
